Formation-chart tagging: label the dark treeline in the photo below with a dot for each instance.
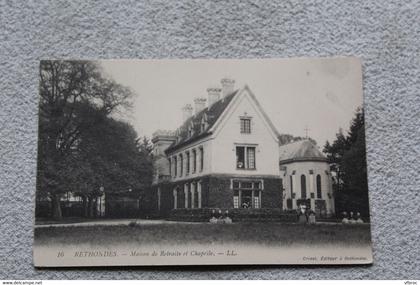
(347, 158)
(82, 148)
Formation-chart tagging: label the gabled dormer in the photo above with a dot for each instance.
(204, 123)
(177, 135)
(191, 129)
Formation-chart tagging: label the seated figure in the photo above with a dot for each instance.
(345, 220)
(359, 218)
(227, 220)
(311, 218)
(220, 218)
(302, 217)
(351, 219)
(213, 219)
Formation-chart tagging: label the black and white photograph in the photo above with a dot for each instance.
(201, 162)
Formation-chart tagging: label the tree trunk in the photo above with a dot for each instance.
(56, 207)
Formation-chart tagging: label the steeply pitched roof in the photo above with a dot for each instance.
(211, 114)
(303, 150)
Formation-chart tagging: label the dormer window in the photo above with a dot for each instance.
(203, 124)
(178, 135)
(191, 130)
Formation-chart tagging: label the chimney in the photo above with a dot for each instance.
(199, 104)
(228, 85)
(186, 112)
(214, 94)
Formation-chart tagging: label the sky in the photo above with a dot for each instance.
(320, 94)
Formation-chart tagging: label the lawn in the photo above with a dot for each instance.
(203, 233)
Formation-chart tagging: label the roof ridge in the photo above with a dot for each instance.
(212, 113)
(303, 149)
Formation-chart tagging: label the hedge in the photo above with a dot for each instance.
(237, 215)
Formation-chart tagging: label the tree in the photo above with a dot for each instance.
(286, 138)
(68, 90)
(145, 146)
(347, 158)
(111, 150)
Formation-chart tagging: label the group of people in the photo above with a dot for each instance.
(306, 216)
(351, 218)
(220, 218)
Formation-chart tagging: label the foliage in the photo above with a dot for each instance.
(347, 158)
(81, 147)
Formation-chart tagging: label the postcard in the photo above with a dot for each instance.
(201, 162)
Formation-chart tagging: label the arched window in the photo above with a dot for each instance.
(176, 198)
(303, 186)
(181, 165)
(318, 187)
(175, 166)
(291, 186)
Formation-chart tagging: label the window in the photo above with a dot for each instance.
(187, 166)
(247, 193)
(175, 166)
(175, 193)
(251, 157)
(256, 202)
(236, 199)
(194, 164)
(181, 165)
(191, 129)
(245, 125)
(240, 157)
(199, 193)
(201, 159)
(170, 167)
(318, 187)
(245, 157)
(291, 186)
(203, 124)
(247, 184)
(303, 186)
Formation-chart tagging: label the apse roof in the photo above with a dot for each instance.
(303, 150)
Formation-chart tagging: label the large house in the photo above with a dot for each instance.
(226, 154)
